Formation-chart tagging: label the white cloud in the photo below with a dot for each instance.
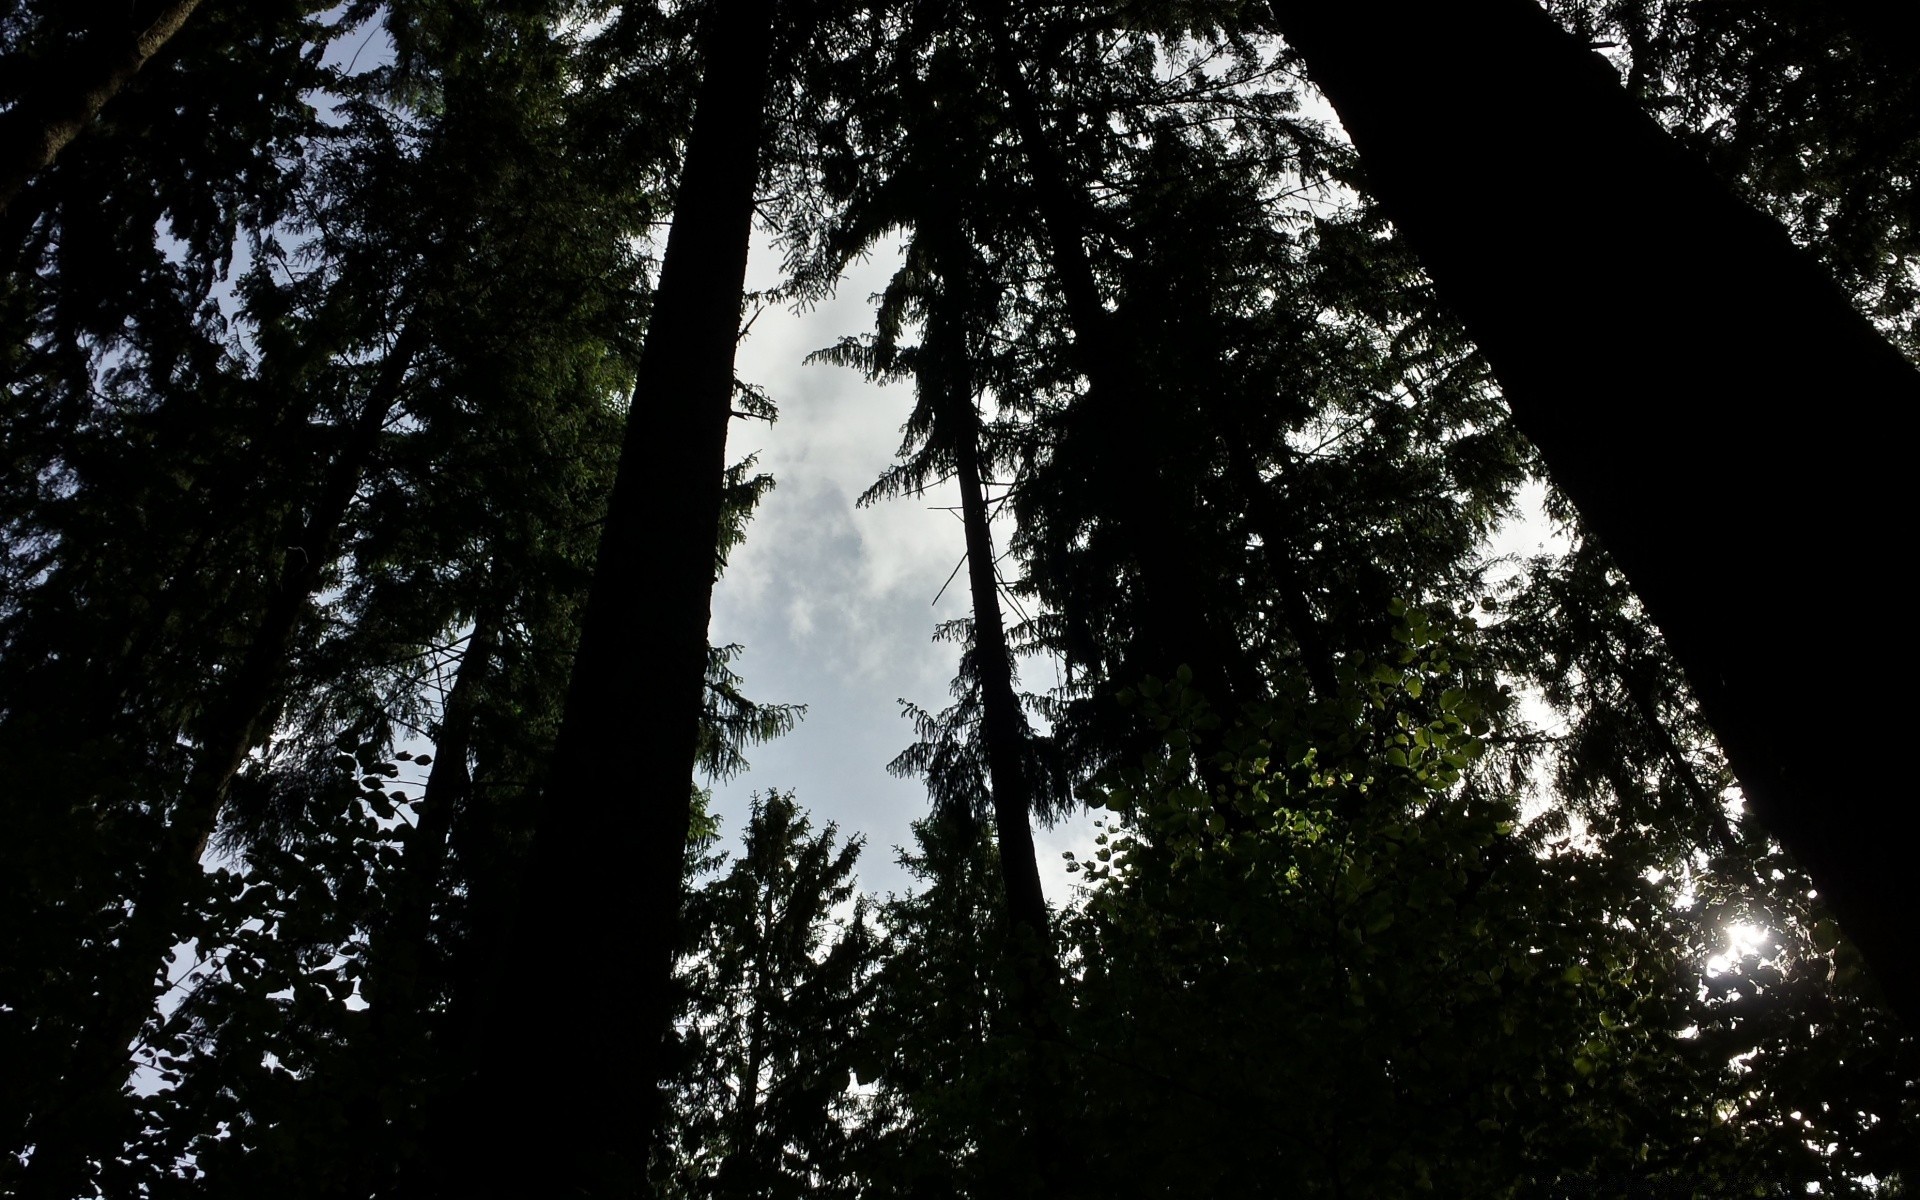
(833, 603)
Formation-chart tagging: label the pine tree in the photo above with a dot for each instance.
(778, 984)
(942, 1043)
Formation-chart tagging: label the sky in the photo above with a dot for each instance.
(835, 605)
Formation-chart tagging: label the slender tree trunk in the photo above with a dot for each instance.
(586, 994)
(1027, 928)
(244, 704)
(42, 122)
(1004, 726)
(401, 1049)
(398, 948)
(946, 375)
(71, 1125)
(1721, 417)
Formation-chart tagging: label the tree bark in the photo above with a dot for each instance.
(42, 122)
(585, 995)
(1719, 414)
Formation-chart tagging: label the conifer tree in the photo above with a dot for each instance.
(576, 1080)
(290, 673)
(778, 986)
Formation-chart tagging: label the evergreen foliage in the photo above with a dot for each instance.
(778, 978)
(362, 488)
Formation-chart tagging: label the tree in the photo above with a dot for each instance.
(70, 91)
(946, 438)
(610, 843)
(988, 721)
(778, 982)
(945, 1050)
(1664, 435)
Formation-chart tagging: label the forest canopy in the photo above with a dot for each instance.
(366, 379)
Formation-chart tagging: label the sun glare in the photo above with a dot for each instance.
(1744, 940)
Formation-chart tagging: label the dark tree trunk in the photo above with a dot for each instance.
(1003, 725)
(42, 122)
(398, 949)
(1724, 421)
(586, 989)
(1027, 927)
(1004, 728)
(403, 1053)
(72, 1123)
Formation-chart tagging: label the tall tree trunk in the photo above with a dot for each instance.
(1048, 1158)
(41, 123)
(244, 703)
(586, 996)
(70, 1125)
(1004, 728)
(402, 1054)
(397, 949)
(1698, 387)
(1027, 928)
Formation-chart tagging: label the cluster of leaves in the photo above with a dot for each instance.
(1354, 967)
(1385, 947)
